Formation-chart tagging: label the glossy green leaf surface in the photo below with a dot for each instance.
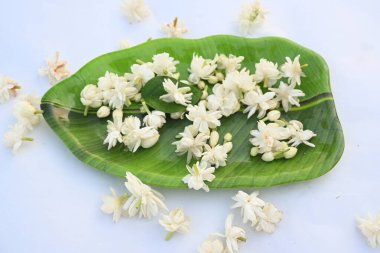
(160, 165)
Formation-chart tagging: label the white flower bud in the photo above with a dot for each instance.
(220, 76)
(91, 96)
(290, 153)
(268, 157)
(177, 115)
(204, 94)
(117, 115)
(103, 112)
(137, 97)
(156, 119)
(254, 151)
(201, 85)
(228, 146)
(150, 138)
(274, 115)
(214, 138)
(212, 79)
(228, 137)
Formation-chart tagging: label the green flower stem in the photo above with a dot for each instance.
(85, 110)
(146, 108)
(168, 236)
(242, 239)
(27, 139)
(39, 112)
(138, 204)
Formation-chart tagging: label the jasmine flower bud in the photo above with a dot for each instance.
(290, 153)
(268, 157)
(227, 137)
(219, 76)
(274, 115)
(228, 146)
(103, 112)
(214, 138)
(137, 97)
(201, 85)
(212, 79)
(254, 151)
(204, 94)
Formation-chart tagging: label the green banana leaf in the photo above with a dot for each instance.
(160, 165)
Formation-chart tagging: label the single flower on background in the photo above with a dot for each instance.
(113, 204)
(178, 95)
(211, 245)
(144, 201)
(370, 228)
(27, 111)
(8, 88)
(201, 68)
(257, 101)
(15, 137)
(287, 95)
(203, 119)
(198, 174)
(298, 135)
(293, 70)
(192, 142)
(176, 28)
(175, 221)
(250, 206)
(55, 70)
(266, 72)
(270, 218)
(164, 65)
(252, 15)
(135, 10)
(233, 235)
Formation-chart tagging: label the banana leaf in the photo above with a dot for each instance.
(159, 165)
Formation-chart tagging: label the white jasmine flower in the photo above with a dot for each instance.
(177, 115)
(56, 69)
(287, 95)
(140, 75)
(233, 235)
(292, 151)
(106, 84)
(191, 142)
(230, 63)
(91, 96)
(267, 137)
(257, 101)
(211, 246)
(103, 112)
(27, 111)
(201, 68)
(155, 119)
(164, 65)
(302, 136)
(293, 70)
(144, 201)
(214, 138)
(15, 136)
(215, 155)
(250, 206)
(271, 217)
(121, 94)
(239, 81)
(176, 28)
(223, 100)
(274, 115)
(370, 228)
(134, 136)
(199, 173)
(267, 72)
(113, 204)
(252, 15)
(135, 10)
(176, 221)
(124, 44)
(114, 129)
(203, 119)
(175, 94)
(8, 88)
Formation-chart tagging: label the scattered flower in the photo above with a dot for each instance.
(287, 95)
(176, 221)
(27, 111)
(201, 68)
(223, 100)
(103, 112)
(257, 101)
(293, 70)
(370, 228)
(267, 72)
(113, 204)
(8, 88)
(176, 28)
(56, 69)
(216, 155)
(144, 201)
(164, 65)
(211, 246)
(202, 119)
(155, 119)
(251, 16)
(114, 129)
(239, 81)
(175, 94)
(229, 63)
(233, 235)
(199, 172)
(15, 136)
(271, 217)
(250, 206)
(91, 96)
(124, 44)
(298, 135)
(141, 74)
(135, 10)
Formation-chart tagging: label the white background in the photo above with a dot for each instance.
(49, 201)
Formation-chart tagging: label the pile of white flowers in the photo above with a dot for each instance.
(232, 89)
